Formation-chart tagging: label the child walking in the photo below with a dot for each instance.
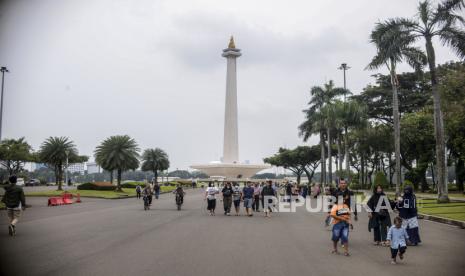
(397, 237)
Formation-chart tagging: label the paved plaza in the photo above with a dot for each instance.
(116, 237)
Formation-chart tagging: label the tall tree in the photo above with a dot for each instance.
(14, 153)
(57, 152)
(120, 153)
(155, 160)
(315, 118)
(445, 23)
(393, 47)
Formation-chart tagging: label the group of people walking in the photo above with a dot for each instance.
(251, 197)
(404, 232)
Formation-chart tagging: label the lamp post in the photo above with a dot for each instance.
(3, 70)
(344, 68)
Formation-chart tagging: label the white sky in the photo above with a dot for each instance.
(89, 69)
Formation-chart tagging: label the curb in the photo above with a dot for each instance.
(460, 224)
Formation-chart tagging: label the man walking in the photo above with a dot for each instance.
(15, 202)
(267, 193)
(247, 197)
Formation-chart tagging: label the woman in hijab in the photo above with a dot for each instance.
(380, 220)
(407, 206)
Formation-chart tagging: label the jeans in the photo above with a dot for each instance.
(341, 231)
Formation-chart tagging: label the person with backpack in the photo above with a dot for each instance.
(15, 202)
(227, 193)
(138, 191)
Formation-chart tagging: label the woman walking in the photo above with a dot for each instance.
(407, 206)
(380, 219)
(227, 193)
(237, 194)
(210, 197)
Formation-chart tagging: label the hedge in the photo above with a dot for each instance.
(99, 186)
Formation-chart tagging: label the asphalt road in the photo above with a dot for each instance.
(117, 237)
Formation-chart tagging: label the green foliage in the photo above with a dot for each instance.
(132, 184)
(96, 186)
(119, 153)
(380, 180)
(14, 153)
(299, 160)
(54, 152)
(155, 160)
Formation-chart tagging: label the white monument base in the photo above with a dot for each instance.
(231, 171)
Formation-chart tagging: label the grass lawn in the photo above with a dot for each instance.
(452, 210)
(100, 194)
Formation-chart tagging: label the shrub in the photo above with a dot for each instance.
(132, 184)
(98, 186)
(355, 185)
(381, 180)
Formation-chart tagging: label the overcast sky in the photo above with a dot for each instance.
(89, 69)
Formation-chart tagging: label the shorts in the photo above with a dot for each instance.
(248, 202)
(237, 203)
(341, 231)
(13, 214)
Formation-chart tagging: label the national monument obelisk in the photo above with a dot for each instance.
(231, 133)
(230, 167)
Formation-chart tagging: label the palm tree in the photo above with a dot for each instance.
(393, 47)
(315, 118)
(57, 152)
(119, 153)
(155, 160)
(444, 23)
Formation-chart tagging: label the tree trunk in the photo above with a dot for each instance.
(111, 177)
(395, 115)
(443, 194)
(323, 160)
(155, 175)
(361, 177)
(459, 174)
(118, 186)
(339, 153)
(60, 177)
(330, 159)
(346, 151)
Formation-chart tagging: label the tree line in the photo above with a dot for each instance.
(410, 120)
(117, 154)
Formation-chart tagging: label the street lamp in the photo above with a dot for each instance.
(344, 67)
(3, 70)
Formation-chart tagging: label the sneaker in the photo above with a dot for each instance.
(10, 230)
(393, 262)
